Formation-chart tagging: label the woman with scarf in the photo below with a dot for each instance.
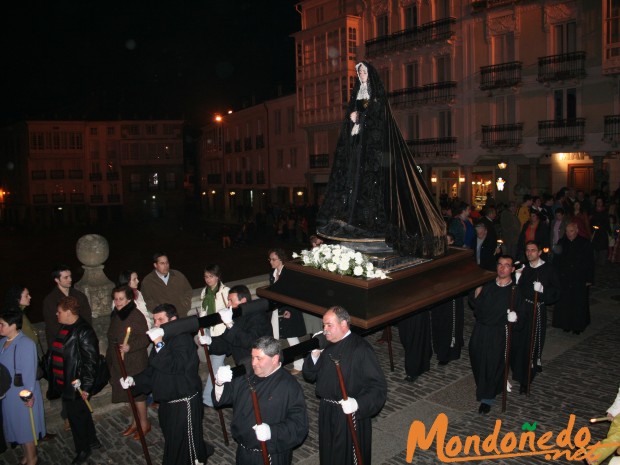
(126, 315)
(130, 278)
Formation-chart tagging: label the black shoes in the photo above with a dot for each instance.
(443, 363)
(95, 445)
(523, 389)
(81, 457)
(484, 409)
(410, 379)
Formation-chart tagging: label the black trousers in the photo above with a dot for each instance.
(82, 426)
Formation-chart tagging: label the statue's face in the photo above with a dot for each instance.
(363, 73)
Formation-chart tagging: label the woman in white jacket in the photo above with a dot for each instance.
(214, 297)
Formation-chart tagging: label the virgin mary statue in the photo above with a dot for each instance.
(375, 191)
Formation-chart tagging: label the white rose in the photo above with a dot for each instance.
(370, 266)
(359, 259)
(343, 265)
(332, 267)
(358, 271)
(295, 255)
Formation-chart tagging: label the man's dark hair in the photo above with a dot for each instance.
(536, 243)
(527, 197)
(12, 316)
(506, 256)
(481, 224)
(157, 255)
(128, 291)
(459, 208)
(171, 310)
(269, 345)
(59, 268)
(341, 314)
(242, 292)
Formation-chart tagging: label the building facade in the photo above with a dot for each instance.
(80, 172)
(530, 86)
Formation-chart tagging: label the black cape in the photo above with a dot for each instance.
(364, 381)
(375, 190)
(447, 321)
(415, 336)
(282, 407)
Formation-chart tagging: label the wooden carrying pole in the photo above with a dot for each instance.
(132, 402)
(530, 359)
(343, 389)
(507, 358)
(210, 367)
(259, 421)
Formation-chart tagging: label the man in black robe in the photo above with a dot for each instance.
(281, 405)
(415, 336)
(172, 377)
(365, 384)
(538, 281)
(574, 263)
(494, 306)
(241, 333)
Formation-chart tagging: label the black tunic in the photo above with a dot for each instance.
(364, 381)
(522, 337)
(415, 336)
(487, 345)
(172, 377)
(575, 266)
(447, 321)
(293, 326)
(282, 407)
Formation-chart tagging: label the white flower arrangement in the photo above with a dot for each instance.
(341, 260)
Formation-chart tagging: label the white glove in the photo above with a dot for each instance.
(223, 375)
(126, 383)
(226, 315)
(349, 405)
(263, 432)
(155, 333)
(512, 317)
(204, 339)
(538, 287)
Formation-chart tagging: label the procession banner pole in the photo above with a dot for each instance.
(343, 389)
(259, 421)
(132, 402)
(210, 367)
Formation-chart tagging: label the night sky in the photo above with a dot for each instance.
(105, 59)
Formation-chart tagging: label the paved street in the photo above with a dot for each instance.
(580, 377)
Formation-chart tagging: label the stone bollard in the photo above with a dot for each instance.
(92, 251)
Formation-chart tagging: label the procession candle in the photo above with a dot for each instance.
(126, 340)
(26, 395)
(76, 384)
(599, 419)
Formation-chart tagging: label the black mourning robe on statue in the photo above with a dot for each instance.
(522, 337)
(375, 191)
(282, 407)
(447, 321)
(487, 346)
(574, 263)
(364, 381)
(172, 377)
(415, 336)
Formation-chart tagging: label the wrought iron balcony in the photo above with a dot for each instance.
(502, 136)
(319, 161)
(561, 131)
(562, 67)
(94, 176)
(426, 34)
(437, 92)
(96, 198)
(57, 174)
(76, 174)
(76, 197)
(59, 197)
(501, 75)
(439, 148)
(611, 131)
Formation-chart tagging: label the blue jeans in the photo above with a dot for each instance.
(216, 361)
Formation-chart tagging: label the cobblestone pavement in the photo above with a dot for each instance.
(580, 377)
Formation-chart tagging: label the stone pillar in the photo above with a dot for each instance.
(92, 251)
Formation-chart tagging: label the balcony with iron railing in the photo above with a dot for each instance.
(435, 93)
(57, 174)
(500, 75)
(561, 131)
(426, 34)
(319, 161)
(502, 136)
(96, 198)
(562, 67)
(95, 176)
(441, 148)
(59, 197)
(611, 129)
(76, 174)
(76, 197)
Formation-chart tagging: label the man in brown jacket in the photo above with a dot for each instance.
(166, 286)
